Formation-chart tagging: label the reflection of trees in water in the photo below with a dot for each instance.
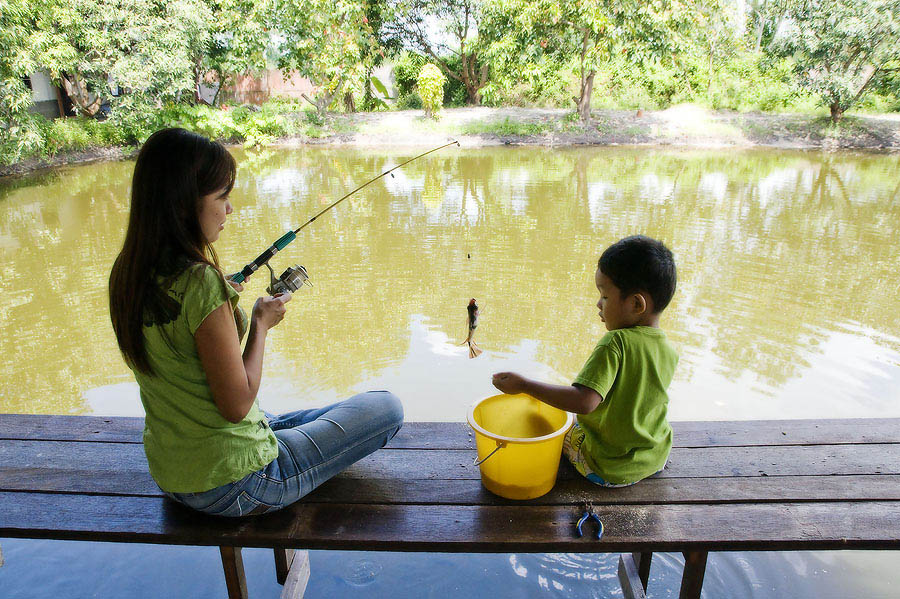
(775, 250)
(57, 340)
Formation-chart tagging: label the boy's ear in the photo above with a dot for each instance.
(640, 304)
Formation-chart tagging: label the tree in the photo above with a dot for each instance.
(324, 41)
(412, 23)
(239, 37)
(142, 49)
(431, 89)
(840, 47)
(589, 31)
(764, 21)
(18, 131)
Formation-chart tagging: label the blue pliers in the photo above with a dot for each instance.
(589, 513)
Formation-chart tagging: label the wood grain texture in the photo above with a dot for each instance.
(457, 435)
(529, 528)
(423, 464)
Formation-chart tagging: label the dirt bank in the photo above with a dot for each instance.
(680, 125)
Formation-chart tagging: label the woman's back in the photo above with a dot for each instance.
(190, 446)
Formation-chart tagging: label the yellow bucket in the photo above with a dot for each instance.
(519, 441)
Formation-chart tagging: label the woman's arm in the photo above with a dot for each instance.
(233, 378)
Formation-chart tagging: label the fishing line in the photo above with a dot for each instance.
(296, 276)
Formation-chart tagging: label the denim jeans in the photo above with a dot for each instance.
(313, 446)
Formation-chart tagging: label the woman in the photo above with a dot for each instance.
(179, 327)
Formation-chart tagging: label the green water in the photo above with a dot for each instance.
(786, 308)
(786, 301)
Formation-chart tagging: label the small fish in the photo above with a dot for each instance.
(472, 309)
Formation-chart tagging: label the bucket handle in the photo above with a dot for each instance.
(500, 446)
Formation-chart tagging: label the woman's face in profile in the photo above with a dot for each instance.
(214, 208)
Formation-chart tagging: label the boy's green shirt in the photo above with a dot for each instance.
(190, 446)
(628, 438)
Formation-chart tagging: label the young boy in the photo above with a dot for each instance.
(621, 433)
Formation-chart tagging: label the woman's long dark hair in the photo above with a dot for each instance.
(174, 169)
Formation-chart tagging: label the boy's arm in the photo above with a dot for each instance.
(572, 398)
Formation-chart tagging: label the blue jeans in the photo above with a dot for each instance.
(313, 446)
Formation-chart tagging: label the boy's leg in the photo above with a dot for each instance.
(572, 444)
(314, 451)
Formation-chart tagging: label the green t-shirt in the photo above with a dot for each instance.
(190, 446)
(628, 438)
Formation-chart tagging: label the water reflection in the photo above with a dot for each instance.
(785, 307)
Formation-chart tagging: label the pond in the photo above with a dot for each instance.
(785, 308)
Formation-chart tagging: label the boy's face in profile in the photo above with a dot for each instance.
(615, 310)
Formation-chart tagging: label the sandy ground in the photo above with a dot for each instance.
(685, 125)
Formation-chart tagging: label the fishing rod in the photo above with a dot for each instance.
(294, 277)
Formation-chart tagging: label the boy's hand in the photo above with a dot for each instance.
(509, 382)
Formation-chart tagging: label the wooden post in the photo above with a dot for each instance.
(1, 557)
(298, 577)
(692, 579)
(642, 559)
(235, 581)
(283, 558)
(629, 579)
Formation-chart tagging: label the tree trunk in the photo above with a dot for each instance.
(198, 79)
(220, 78)
(837, 112)
(79, 94)
(349, 104)
(368, 98)
(584, 102)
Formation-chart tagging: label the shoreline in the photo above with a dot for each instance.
(685, 126)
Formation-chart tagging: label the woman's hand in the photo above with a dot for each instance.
(269, 311)
(509, 382)
(237, 286)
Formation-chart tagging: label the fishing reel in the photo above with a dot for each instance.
(290, 280)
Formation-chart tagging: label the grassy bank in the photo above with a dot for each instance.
(78, 139)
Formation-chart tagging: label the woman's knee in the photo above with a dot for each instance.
(386, 405)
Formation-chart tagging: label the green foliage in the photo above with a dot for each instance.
(254, 126)
(586, 35)
(840, 47)
(410, 101)
(406, 70)
(428, 26)
(327, 41)
(431, 89)
(506, 127)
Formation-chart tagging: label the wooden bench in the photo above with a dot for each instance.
(729, 486)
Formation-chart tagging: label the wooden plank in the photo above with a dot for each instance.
(470, 491)
(425, 464)
(113, 429)
(457, 435)
(727, 527)
(298, 577)
(235, 579)
(629, 578)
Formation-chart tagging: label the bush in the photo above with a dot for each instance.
(406, 70)
(431, 89)
(409, 101)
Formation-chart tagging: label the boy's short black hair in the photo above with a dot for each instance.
(640, 263)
